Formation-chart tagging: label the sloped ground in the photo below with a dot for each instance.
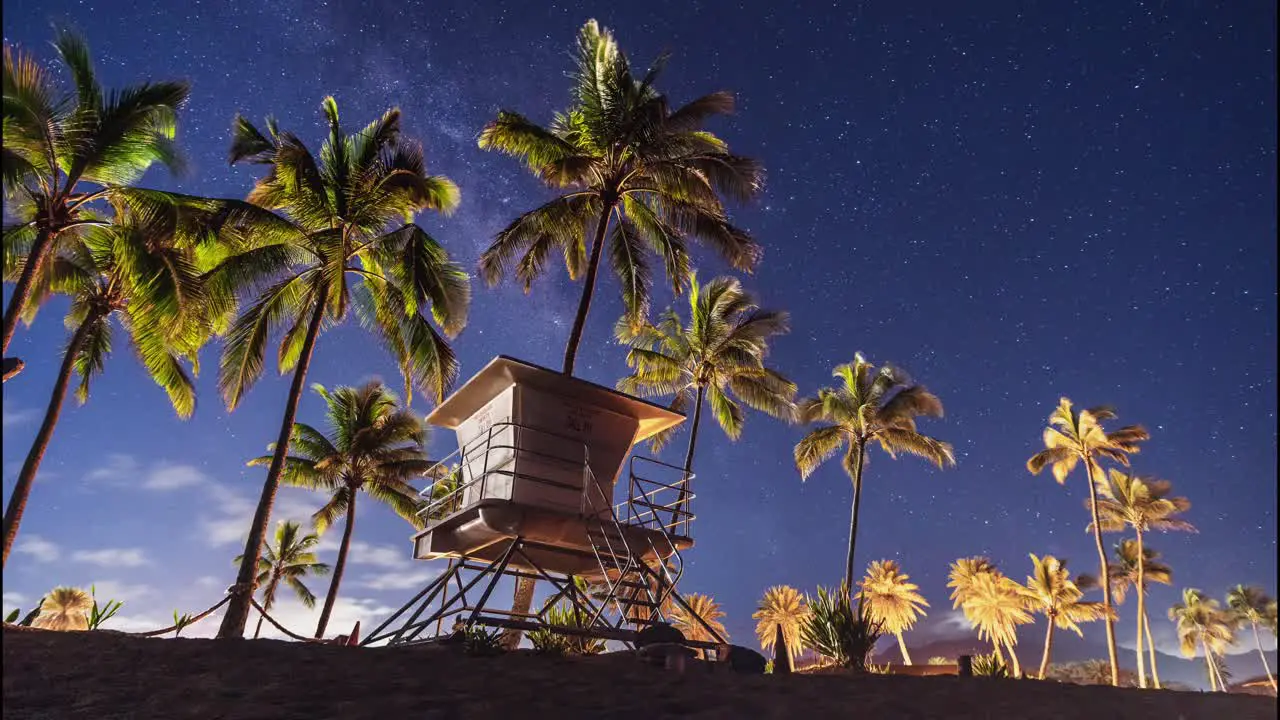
(101, 675)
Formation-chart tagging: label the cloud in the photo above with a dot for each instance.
(38, 548)
(386, 556)
(112, 557)
(171, 477)
(118, 468)
(106, 590)
(234, 512)
(13, 601)
(401, 579)
(15, 417)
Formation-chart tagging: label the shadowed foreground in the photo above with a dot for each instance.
(64, 675)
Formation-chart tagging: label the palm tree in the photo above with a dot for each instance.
(1124, 575)
(1074, 437)
(343, 241)
(64, 608)
(290, 561)
(1202, 625)
(1141, 503)
(993, 603)
(631, 163)
(373, 446)
(782, 605)
(1250, 605)
(1053, 594)
(700, 607)
(892, 600)
(718, 357)
(130, 273)
(871, 404)
(64, 150)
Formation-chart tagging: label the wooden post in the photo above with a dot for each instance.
(966, 665)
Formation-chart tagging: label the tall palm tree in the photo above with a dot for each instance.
(1124, 571)
(290, 561)
(64, 608)
(705, 608)
(782, 605)
(1072, 438)
(128, 273)
(870, 405)
(1052, 593)
(632, 164)
(993, 603)
(64, 150)
(348, 237)
(373, 446)
(1141, 503)
(1202, 625)
(1250, 605)
(892, 600)
(718, 357)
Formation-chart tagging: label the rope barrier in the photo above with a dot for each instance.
(192, 621)
(282, 629)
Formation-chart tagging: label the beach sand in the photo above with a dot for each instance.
(106, 675)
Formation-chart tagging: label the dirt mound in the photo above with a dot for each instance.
(70, 675)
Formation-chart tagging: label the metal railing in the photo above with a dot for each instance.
(460, 463)
(655, 504)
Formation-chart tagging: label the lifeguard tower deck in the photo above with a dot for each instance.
(530, 493)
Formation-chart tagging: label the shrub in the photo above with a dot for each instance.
(835, 631)
(553, 643)
(939, 660)
(478, 641)
(990, 665)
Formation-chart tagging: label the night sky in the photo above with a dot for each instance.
(1012, 201)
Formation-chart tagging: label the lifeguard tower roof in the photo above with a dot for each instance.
(503, 372)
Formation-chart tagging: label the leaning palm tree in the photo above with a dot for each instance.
(702, 612)
(64, 150)
(892, 600)
(870, 405)
(64, 608)
(348, 240)
(1204, 627)
(718, 357)
(1141, 503)
(1250, 605)
(995, 604)
(629, 163)
(961, 575)
(1124, 571)
(130, 274)
(782, 606)
(1052, 593)
(1072, 438)
(641, 177)
(373, 446)
(290, 561)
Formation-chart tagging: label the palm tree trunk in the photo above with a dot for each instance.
(520, 603)
(1257, 639)
(1151, 652)
(1013, 655)
(688, 462)
(853, 521)
(588, 289)
(1105, 574)
(22, 289)
(1215, 678)
(238, 609)
(1142, 609)
(339, 566)
(906, 657)
(27, 476)
(1048, 648)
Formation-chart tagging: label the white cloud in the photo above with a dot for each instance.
(105, 590)
(387, 556)
(112, 557)
(234, 512)
(12, 601)
(14, 417)
(172, 477)
(38, 548)
(401, 579)
(118, 468)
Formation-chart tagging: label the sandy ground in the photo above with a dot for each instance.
(101, 675)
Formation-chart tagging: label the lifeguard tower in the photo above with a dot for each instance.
(530, 493)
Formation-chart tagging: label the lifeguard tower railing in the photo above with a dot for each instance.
(635, 543)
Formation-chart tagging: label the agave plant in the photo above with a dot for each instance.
(835, 631)
(99, 614)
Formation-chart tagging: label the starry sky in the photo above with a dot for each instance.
(1012, 201)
